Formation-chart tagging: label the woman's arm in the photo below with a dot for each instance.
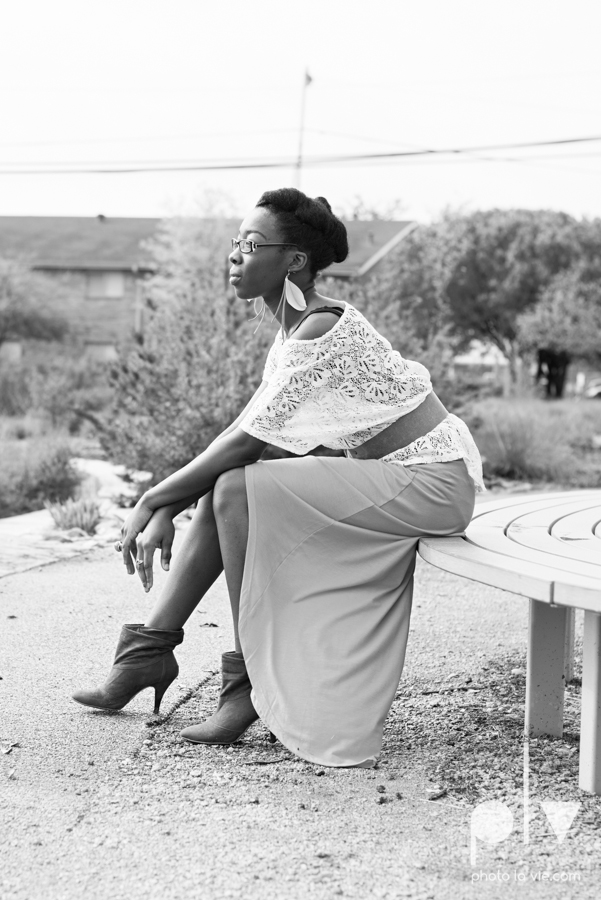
(231, 451)
(237, 421)
(173, 509)
(180, 505)
(162, 506)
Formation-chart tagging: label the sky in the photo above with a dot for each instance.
(126, 83)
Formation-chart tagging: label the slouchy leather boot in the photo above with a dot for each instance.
(144, 658)
(235, 711)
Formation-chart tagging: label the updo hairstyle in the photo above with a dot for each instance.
(308, 224)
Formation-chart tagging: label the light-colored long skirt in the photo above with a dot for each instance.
(327, 590)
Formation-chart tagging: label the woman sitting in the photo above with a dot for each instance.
(319, 552)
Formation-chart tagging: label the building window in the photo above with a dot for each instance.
(106, 285)
(101, 352)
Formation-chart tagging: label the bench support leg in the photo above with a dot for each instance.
(545, 678)
(590, 723)
(569, 649)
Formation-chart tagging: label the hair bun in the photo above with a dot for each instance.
(310, 224)
(324, 202)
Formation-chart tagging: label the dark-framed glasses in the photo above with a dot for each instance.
(245, 246)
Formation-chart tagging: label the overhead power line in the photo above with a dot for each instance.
(137, 139)
(235, 164)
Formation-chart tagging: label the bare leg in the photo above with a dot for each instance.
(231, 513)
(194, 569)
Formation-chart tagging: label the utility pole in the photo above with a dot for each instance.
(299, 160)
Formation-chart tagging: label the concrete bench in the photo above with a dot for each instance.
(547, 547)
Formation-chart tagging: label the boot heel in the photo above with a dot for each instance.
(144, 658)
(159, 691)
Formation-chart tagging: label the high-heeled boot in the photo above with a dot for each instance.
(144, 658)
(235, 711)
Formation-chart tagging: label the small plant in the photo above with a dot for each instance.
(34, 471)
(83, 513)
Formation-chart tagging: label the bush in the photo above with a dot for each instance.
(34, 472)
(535, 440)
(27, 303)
(567, 319)
(83, 513)
(66, 388)
(69, 390)
(15, 393)
(197, 364)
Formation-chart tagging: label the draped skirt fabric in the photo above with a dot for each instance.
(327, 589)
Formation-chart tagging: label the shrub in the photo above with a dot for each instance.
(69, 390)
(58, 384)
(535, 440)
(197, 364)
(15, 393)
(82, 513)
(27, 303)
(567, 318)
(34, 472)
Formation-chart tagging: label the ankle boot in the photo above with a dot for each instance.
(235, 711)
(144, 658)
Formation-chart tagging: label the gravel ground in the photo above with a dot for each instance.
(114, 805)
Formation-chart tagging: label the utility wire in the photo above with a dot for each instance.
(133, 139)
(232, 164)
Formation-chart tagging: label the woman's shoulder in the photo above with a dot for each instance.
(334, 332)
(318, 322)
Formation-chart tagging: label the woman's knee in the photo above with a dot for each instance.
(203, 514)
(229, 490)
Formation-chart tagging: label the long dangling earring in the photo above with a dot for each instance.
(260, 312)
(294, 295)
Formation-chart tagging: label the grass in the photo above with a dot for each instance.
(538, 440)
(82, 513)
(36, 466)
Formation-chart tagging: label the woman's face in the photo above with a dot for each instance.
(261, 273)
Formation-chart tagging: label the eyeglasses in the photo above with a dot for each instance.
(245, 246)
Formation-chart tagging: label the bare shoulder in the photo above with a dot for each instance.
(317, 324)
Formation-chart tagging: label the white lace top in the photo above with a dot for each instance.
(341, 389)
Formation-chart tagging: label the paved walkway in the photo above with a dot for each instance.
(33, 540)
(102, 805)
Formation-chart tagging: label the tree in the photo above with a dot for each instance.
(470, 276)
(197, 362)
(25, 299)
(358, 209)
(413, 280)
(565, 324)
(506, 259)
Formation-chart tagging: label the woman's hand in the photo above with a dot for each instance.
(135, 523)
(158, 535)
